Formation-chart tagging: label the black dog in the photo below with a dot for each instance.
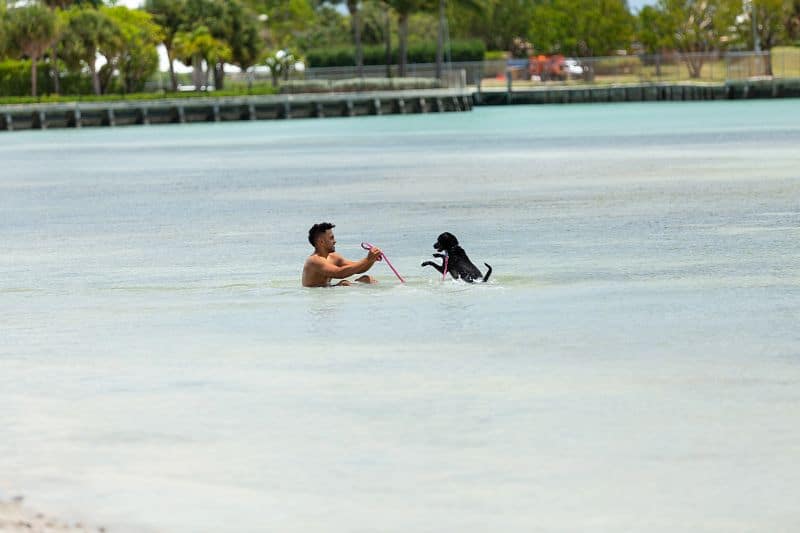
(458, 264)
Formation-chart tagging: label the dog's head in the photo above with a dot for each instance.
(446, 241)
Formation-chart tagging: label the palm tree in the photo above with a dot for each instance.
(31, 30)
(197, 46)
(355, 26)
(473, 5)
(88, 31)
(387, 30)
(170, 15)
(58, 6)
(355, 29)
(404, 8)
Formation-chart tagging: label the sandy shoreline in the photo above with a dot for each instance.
(16, 517)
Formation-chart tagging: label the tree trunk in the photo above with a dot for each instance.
(34, 74)
(54, 67)
(403, 22)
(440, 40)
(219, 76)
(768, 63)
(355, 26)
(95, 77)
(173, 79)
(696, 68)
(197, 72)
(387, 30)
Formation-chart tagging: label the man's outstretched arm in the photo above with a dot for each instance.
(374, 253)
(345, 268)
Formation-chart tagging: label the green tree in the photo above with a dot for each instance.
(404, 9)
(58, 6)
(792, 21)
(355, 12)
(30, 31)
(770, 18)
(231, 22)
(170, 15)
(196, 46)
(288, 21)
(134, 53)
(88, 32)
(3, 43)
(653, 33)
(498, 23)
(280, 64)
(582, 27)
(699, 27)
(652, 30)
(355, 27)
(242, 36)
(331, 29)
(442, 26)
(66, 4)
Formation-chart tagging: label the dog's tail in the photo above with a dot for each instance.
(488, 272)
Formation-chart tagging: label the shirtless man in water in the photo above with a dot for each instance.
(325, 263)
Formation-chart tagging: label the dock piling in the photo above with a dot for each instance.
(74, 119)
(39, 121)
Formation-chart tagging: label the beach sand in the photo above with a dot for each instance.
(16, 517)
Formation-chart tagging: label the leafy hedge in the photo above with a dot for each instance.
(52, 99)
(358, 84)
(472, 50)
(15, 80)
(495, 55)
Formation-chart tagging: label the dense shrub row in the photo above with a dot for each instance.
(261, 89)
(344, 56)
(15, 79)
(358, 84)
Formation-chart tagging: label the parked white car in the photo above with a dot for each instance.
(571, 68)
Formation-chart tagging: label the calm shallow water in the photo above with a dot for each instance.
(633, 365)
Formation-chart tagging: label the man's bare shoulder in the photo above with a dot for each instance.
(313, 275)
(314, 258)
(337, 259)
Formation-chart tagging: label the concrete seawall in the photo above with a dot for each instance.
(282, 107)
(185, 110)
(649, 92)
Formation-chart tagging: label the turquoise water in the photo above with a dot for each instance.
(633, 365)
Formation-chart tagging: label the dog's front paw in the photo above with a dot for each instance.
(426, 263)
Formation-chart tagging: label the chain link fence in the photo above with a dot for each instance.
(710, 67)
(781, 63)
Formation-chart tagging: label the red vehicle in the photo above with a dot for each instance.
(554, 67)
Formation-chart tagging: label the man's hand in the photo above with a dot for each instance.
(374, 254)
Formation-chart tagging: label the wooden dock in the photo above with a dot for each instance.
(210, 109)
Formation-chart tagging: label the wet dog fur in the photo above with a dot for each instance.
(458, 263)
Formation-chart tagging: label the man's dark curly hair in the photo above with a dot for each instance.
(317, 230)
